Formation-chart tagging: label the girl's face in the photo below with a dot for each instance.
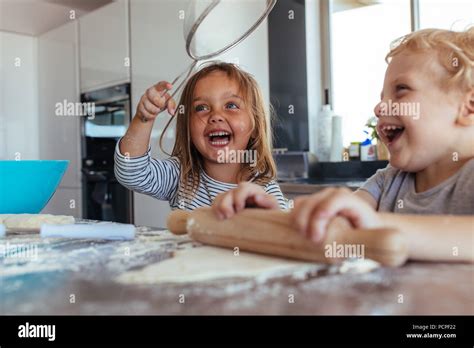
(219, 117)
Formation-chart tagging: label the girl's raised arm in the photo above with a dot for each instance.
(137, 138)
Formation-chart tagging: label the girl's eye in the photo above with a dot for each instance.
(232, 106)
(200, 107)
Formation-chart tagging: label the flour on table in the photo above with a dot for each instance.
(33, 221)
(210, 263)
(358, 266)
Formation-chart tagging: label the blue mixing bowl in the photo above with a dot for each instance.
(27, 186)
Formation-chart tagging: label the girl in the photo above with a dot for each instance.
(222, 141)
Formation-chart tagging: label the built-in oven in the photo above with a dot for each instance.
(104, 198)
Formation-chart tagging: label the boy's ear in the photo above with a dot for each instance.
(466, 114)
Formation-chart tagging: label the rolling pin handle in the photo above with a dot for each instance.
(177, 221)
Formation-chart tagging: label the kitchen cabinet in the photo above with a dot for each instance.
(59, 135)
(18, 97)
(104, 46)
(151, 22)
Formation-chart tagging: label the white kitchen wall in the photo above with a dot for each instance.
(18, 97)
(158, 53)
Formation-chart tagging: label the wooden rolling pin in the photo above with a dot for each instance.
(272, 232)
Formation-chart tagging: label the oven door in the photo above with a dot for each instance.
(104, 198)
(110, 120)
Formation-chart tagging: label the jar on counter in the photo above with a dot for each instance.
(354, 151)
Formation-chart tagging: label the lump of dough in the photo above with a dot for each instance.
(3, 217)
(33, 221)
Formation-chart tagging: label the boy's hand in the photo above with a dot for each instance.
(156, 100)
(311, 214)
(226, 204)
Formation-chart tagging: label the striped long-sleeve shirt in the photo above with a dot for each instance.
(160, 179)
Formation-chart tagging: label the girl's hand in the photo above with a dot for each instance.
(156, 100)
(226, 204)
(311, 214)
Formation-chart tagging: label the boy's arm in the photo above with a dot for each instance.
(434, 238)
(431, 237)
(367, 197)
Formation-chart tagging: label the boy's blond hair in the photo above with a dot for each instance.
(455, 51)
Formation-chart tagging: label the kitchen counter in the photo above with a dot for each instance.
(70, 276)
(350, 174)
(296, 187)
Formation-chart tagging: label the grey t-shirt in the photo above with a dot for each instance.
(394, 191)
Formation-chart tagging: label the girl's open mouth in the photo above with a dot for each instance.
(219, 138)
(390, 132)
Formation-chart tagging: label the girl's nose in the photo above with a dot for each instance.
(215, 118)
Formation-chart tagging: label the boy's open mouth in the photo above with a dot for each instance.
(391, 132)
(219, 138)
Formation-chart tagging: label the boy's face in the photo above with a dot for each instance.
(219, 118)
(417, 119)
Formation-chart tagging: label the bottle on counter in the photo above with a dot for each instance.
(354, 151)
(323, 139)
(336, 139)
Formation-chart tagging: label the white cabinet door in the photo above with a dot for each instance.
(59, 133)
(66, 201)
(104, 46)
(18, 97)
(158, 50)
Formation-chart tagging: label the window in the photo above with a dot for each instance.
(446, 14)
(361, 33)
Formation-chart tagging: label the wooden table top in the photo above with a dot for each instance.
(77, 276)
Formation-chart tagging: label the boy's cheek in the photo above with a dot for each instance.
(416, 139)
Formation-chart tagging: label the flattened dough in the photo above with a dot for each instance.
(33, 221)
(210, 263)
